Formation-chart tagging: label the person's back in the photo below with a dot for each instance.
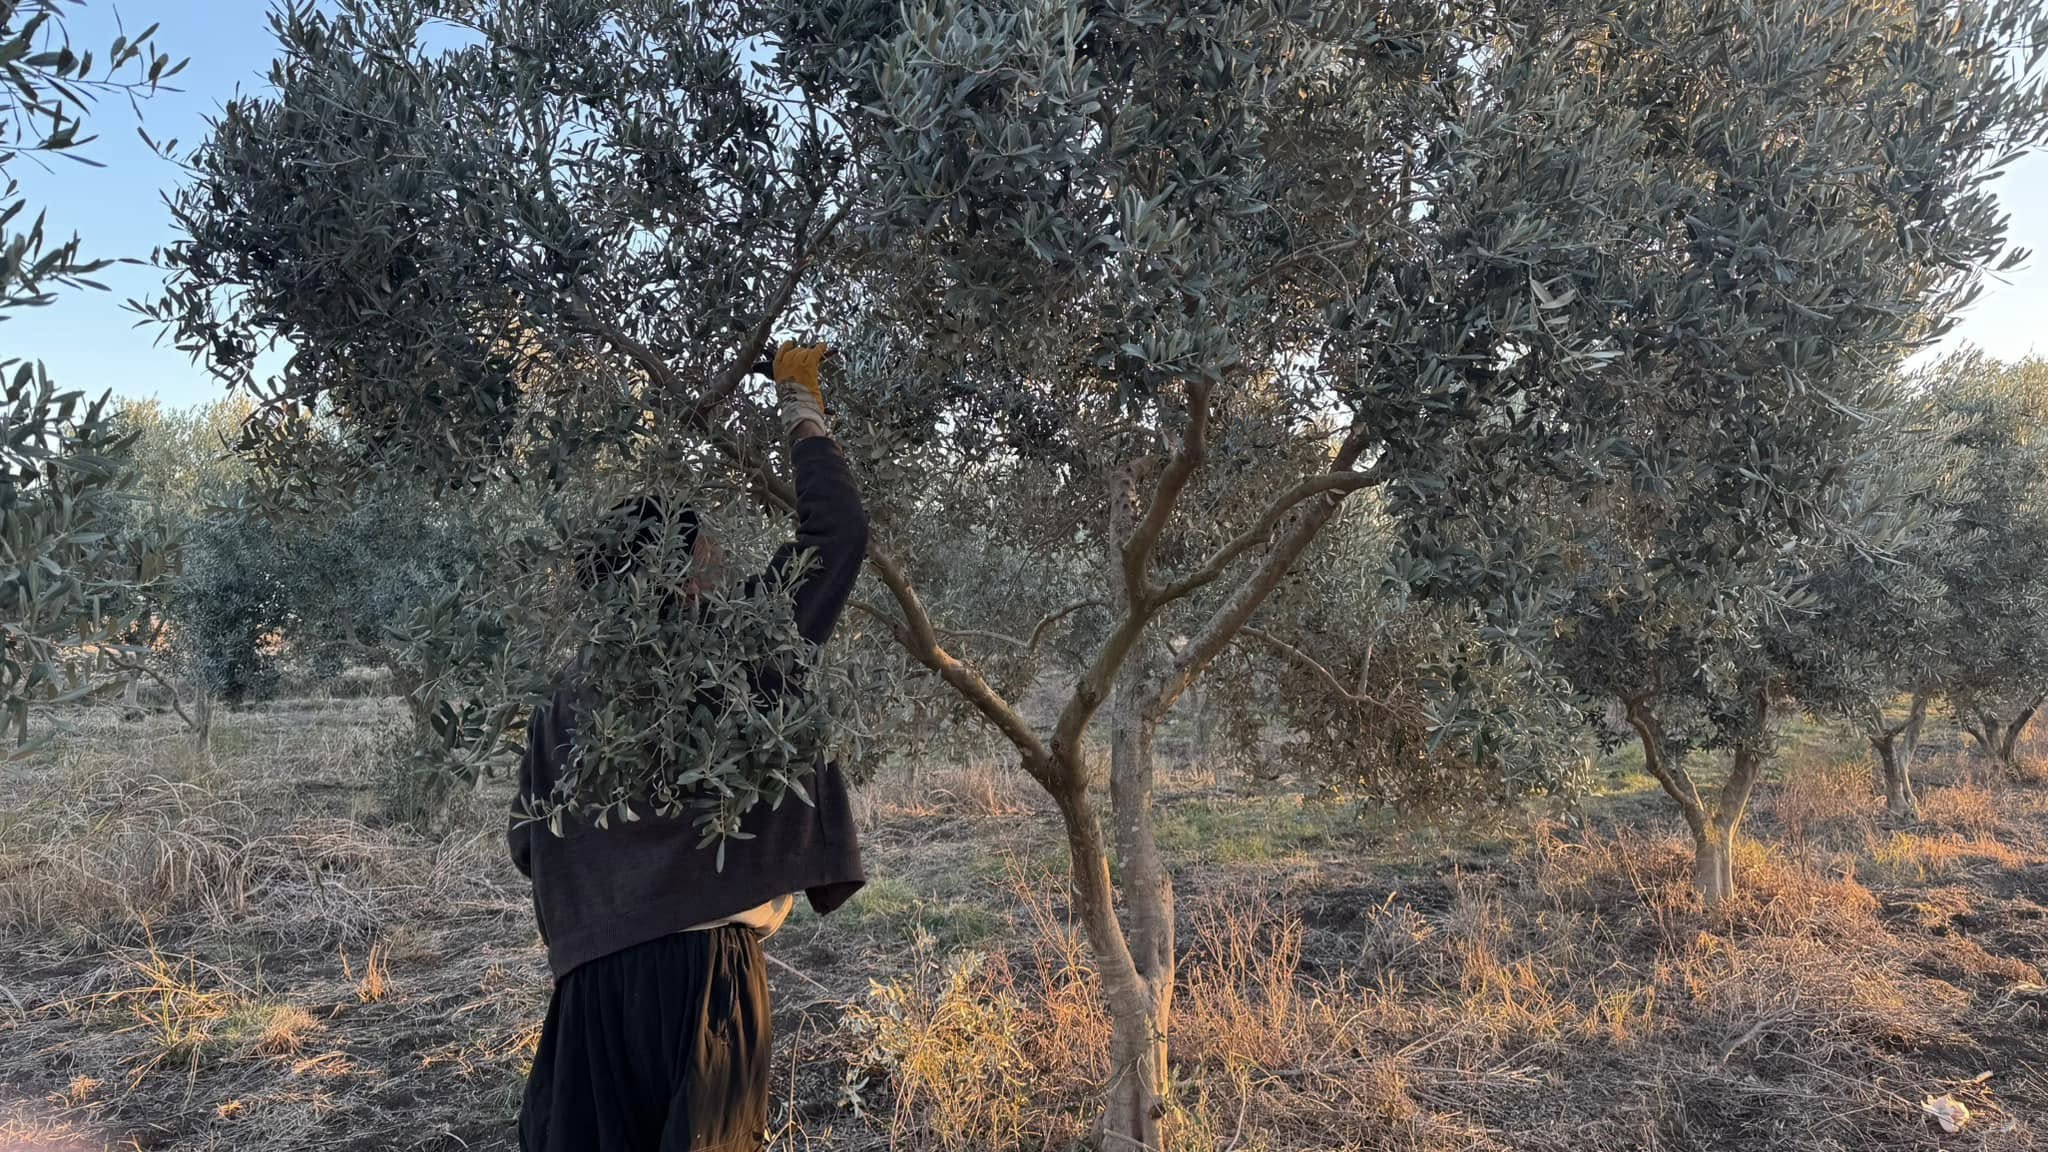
(658, 1033)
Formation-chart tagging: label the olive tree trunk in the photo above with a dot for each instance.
(1895, 745)
(1135, 1099)
(1713, 861)
(1998, 739)
(1713, 821)
(1138, 1070)
(201, 722)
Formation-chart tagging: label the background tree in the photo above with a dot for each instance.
(183, 474)
(64, 466)
(1785, 273)
(1879, 624)
(1417, 705)
(1997, 576)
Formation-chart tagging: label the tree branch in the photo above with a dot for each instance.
(914, 631)
(1341, 479)
(1194, 448)
(1748, 762)
(1676, 781)
(1343, 483)
(656, 366)
(920, 639)
(1243, 604)
(1312, 665)
(757, 340)
(1054, 617)
(166, 685)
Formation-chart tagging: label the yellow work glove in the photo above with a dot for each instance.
(797, 394)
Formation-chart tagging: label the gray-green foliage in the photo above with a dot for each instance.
(1996, 576)
(256, 591)
(67, 593)
(1781, 275)
(474, 257)
(535, 265)
(1877, 623)
(1416, 704)
(702, 701)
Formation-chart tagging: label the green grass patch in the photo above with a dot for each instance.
(1246, 831)
(889, 905)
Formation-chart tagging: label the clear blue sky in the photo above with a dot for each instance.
(90, 341)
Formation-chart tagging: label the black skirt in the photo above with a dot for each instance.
(661, 1047)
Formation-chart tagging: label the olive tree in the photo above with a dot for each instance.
(65, 468)
(1876, 644)
(1212, 271)
(1996, 574)
(1798, 266)
(183, 471)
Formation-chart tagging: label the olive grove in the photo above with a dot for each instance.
(1135, 302)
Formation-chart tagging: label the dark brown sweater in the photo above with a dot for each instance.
(599, 890)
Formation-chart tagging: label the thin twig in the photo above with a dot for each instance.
(786, 966)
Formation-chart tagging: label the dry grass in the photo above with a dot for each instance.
(1827, 801)
(1968, 807)
(975, 788)
(240, 955)
(375, 982)
(177, 930)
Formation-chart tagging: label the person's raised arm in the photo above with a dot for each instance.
(831, 524)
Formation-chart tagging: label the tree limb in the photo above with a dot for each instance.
(1748, 762)
(656, 366)
(166, 685)
(1676, 781)
(1242, 604)
(1341, 479)
(915, 630)
(1194, 448)
(757, 340)
(920, 639)
(1311, 664)
(1239, 607)
(1054, 617)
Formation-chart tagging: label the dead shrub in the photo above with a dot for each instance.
(976, 787)
(1240, 1003)
(947, 1038)
(1815, 993)
(978, 1056)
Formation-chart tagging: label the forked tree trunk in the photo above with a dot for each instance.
(1897, 764)
(1713, 824)
(1134, 1104)
(1895, 746)
(1138, 1098)
(2009, 740)
(1997, 739)
(1136, 969)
